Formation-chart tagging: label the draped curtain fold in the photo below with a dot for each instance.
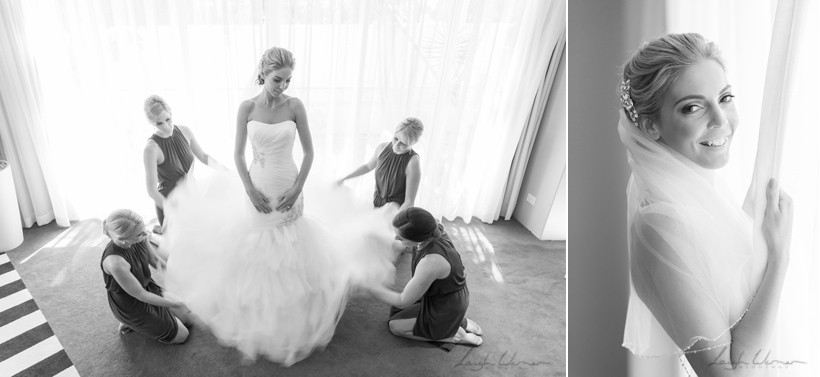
(787, 151)
(470, 70)
(25, 142)
(772, 53)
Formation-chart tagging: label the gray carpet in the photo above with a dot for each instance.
(518, 296)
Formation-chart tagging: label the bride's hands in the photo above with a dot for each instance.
(259, 200)
(777, 221)
(286, 200)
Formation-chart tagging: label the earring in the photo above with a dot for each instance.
(260, 80)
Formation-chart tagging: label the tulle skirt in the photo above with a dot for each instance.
(272, 284)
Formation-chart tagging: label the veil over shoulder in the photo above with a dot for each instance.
(693, 270)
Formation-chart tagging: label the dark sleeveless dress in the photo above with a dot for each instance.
(156, 322)
(391, 177)
(442, 309)
(178, 160)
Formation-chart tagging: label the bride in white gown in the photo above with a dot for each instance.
(699, 289)
(263, 277)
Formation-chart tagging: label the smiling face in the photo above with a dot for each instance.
(698, 117)
(400, 143)
(278, 81)
(163, 124)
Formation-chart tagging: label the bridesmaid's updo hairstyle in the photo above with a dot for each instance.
(409, 130)
(274, 58)
(153, 106)
(121, 223)
(657, 64)
(416, 224)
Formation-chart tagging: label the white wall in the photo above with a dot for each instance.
(557, 227)
(547, 218)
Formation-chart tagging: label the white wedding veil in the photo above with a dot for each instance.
(693, 271)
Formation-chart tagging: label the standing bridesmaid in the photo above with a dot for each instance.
(397, 167)
(168, 155)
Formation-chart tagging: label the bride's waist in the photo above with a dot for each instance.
(273, 163)
(273, 156)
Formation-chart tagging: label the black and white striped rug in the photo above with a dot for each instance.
(28, 346)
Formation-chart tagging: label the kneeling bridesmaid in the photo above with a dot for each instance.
(435, 300)
(135, 299)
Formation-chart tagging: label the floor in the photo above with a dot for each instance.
(30, 347)
(518, 296)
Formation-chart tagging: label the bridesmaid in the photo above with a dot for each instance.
(435, 299)
(135, 299)
(397, 167)
(168, 155)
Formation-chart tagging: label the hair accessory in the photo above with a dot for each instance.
(626, 102)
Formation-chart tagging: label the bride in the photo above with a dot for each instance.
(263, 277)
(699, 291)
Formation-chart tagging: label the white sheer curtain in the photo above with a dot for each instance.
(22, 130)
(772, 48)
(468, 69)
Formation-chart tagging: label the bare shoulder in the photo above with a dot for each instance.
(660, 237)
(113, 263)
(248, 103)
(660, 216)
(297, 111)
(186, 131)
(246, 106)
(435, 263)
(151, 148)
(294, 103)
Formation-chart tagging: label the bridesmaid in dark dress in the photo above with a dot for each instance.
(135, 299)
(169, 153)
(397, 167)
(435, 299)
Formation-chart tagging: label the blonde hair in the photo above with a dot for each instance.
(411, 129)
(121, 222)
(153, 106)
(274, 58)
(657, 65)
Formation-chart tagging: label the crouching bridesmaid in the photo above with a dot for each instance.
(137, 301)
(435, 300)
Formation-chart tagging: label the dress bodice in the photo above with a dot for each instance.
(273, 171)
(272, 142)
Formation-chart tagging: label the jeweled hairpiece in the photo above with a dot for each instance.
(626, 102)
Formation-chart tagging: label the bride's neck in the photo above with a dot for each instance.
(271, 101)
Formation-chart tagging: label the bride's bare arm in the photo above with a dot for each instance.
(305, 139)
(286, 200)
(260, 202)
(754, 332)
